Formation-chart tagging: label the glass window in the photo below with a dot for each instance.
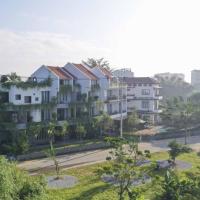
(45, 96)
(145, 91)
(27, 99)
(18, 97)
(145, 104)
(45, 115)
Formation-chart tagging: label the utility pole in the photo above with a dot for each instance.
(121, 103)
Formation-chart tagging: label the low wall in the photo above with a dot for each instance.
(170, 135)
(64, 150)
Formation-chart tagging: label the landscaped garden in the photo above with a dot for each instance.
(91, 186)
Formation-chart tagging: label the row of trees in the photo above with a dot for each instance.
(182, 115)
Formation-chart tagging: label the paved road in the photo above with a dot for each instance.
(90, 157)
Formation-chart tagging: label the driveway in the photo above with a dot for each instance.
(90, 157)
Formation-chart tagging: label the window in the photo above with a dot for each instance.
(145, 91)
(60, 114)
(110, 108)
(45, 96)
(61, 82)
(145, 104)
(27, 99)
(45, 115)
(140, 84)
(36, 99)
(4, 97)
(18, 97)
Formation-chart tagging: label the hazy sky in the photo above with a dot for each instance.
(148, 36)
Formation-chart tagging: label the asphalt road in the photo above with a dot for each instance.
(90, 157)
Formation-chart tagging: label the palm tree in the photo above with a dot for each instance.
(13, 77)
(92, 62)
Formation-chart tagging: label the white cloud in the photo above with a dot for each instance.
(25, 51)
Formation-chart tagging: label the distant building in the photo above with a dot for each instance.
(142, 95)
(125, 72)
(168, 75)
(195, 77)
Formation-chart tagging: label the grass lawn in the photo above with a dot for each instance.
(90, 186)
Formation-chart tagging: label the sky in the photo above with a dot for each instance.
(148, 36)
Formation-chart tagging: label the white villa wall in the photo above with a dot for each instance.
(83, 80)
(43, 73)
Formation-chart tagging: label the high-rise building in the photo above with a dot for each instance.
(195, 77)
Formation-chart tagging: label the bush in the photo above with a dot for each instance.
(15, 184)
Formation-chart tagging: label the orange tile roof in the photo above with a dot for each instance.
(61, 74)
(86, 71)
(66, 71)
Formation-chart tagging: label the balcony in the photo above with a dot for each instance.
(115, 85)
(155, 111)
(157, 97)
(113, 97)
(116, 115)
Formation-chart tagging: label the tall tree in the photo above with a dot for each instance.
(13, 77)
(179, 115)
(92, 62)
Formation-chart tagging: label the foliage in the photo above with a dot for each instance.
(52, 154)
(175, 188)
(132, 120)
(174, 87)
(179, 114)
(176, 149)
(92, 62)
(80, 131)
(16, 142)
(15, 184)
(123, 165)
(65, 89)
(92, 187)
(52, 131)
(104, 123)
(27, 84)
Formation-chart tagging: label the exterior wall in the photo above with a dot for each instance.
(43, 73)
(195, 77)
(111, 95)
(34, 93)
(83, 80)
(136, 96)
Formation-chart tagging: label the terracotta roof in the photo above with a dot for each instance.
(138, 80)
(105, 72)
(86, 71)
(61, 74)
(66, 71)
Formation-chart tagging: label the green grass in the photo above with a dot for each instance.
(90, 186)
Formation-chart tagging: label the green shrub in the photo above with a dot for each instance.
(16, 184)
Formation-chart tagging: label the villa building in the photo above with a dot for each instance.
(143, 96)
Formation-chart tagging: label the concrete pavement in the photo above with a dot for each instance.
(90, 157)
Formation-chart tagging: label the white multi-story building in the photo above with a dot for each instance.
(68, 91)
(143, 96)
(113, 93)
(195, 79)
